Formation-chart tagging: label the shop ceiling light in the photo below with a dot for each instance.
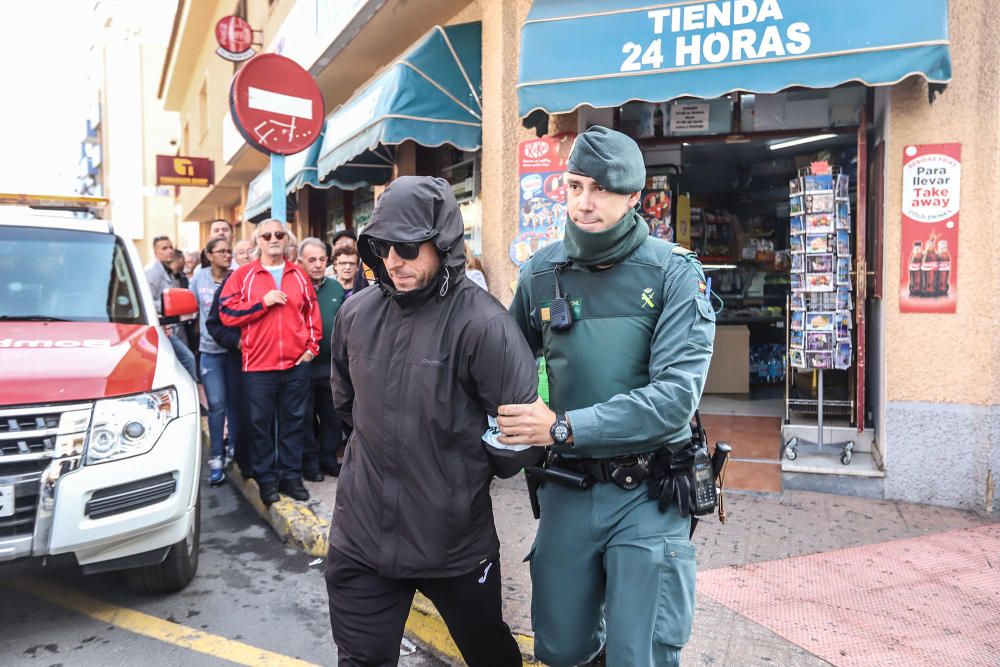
(800, 141)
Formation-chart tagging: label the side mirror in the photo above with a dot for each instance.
(178, 301)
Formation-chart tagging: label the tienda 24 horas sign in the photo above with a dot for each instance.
(743, 30)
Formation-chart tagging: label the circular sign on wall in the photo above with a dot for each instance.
(276, 105)
(235, 38)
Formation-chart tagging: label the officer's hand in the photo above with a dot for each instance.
(526, 424)
(275, 296)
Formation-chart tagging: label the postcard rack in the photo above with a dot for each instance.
(820, 304)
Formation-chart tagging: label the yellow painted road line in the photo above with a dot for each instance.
(155, 628)
(427, 627)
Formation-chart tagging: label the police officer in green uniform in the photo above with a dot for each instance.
(626, 327)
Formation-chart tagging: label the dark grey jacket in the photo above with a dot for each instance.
(416, 375)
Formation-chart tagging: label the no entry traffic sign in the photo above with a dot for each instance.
(276, 105)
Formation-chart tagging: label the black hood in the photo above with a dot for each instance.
(417, 209)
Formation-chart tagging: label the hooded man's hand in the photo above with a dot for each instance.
(526, 424)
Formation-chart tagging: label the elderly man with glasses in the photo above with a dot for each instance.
(324, 431)
(274, 304)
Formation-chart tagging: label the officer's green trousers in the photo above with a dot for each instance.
(608, 567)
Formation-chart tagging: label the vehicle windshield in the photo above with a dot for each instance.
(65, 275)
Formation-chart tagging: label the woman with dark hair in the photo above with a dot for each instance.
(213, 355)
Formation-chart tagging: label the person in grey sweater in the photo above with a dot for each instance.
(160, 277)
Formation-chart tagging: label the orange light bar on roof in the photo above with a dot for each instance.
(55, 202)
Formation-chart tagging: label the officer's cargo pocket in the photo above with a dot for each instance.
(675, 610)
(703, 330)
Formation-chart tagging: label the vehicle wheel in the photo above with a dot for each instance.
(177, 569)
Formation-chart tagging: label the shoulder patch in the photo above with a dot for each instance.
(678, 250)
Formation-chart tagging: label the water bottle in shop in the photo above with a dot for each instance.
(772, 367)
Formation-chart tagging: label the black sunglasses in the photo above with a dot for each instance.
(406, 250)
(267, 235)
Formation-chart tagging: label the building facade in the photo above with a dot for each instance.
(918, 396)
(127, 125)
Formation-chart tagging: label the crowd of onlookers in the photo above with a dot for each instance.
(259, 347)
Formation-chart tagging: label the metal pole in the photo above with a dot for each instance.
(819, 407)
(278, 188)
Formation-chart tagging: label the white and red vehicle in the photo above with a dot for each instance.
(100, 444)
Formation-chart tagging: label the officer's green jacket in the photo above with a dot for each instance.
(631, 371)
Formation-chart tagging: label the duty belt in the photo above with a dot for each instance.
(626, 471)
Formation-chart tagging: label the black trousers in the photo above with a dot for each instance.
(236, 410)
(280, 394)
(368, 613)
(324, 431)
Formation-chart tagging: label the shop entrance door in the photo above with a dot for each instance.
(738, 198)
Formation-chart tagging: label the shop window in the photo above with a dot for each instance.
(678, 118)
(336, 219)
(362, 207)
(802, 109)
(461, 169)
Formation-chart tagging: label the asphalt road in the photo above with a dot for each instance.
(254, 601)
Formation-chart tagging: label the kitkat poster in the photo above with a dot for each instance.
(541, 166)
(932, 175)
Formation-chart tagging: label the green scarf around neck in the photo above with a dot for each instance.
(608, 246)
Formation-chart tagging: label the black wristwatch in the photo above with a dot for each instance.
(561, 430)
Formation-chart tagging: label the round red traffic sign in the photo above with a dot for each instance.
(234, 34)
(276, 105)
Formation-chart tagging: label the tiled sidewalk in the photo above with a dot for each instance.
(769, 530)
(930, 600)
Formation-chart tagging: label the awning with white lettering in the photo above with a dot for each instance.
(603, 53)
(431, 95)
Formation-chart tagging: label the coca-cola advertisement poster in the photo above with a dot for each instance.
(932, 175)
(541, 166)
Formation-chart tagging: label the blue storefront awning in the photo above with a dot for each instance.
(431, 95)
(603, 54)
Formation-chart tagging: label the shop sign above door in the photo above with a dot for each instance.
(181, 170)
(235, 38)
(708, 49)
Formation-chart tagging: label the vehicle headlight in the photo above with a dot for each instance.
(130, 425)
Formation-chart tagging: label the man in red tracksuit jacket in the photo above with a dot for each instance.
(274, 305)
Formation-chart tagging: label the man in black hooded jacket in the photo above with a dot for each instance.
(417, 366)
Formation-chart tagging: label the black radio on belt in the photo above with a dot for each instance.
(704, 495)
(560, 314)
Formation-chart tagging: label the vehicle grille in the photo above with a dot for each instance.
(25, 506)
(127, 497)
(27, 445)
(22, 434)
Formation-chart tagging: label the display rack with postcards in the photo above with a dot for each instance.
(820, 303)
(820, 242)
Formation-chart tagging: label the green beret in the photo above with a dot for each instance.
(610, 158)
